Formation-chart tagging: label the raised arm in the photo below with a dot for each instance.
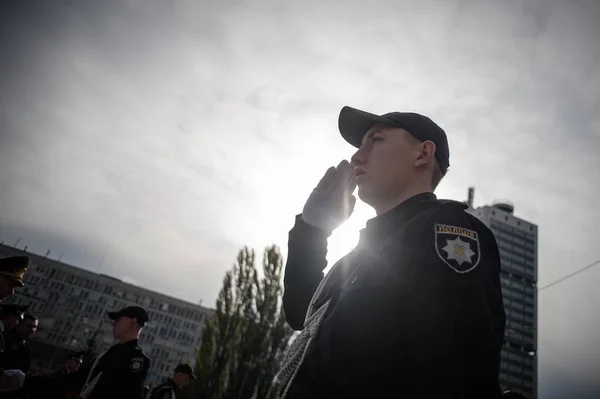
(330, 204)
(307, 250)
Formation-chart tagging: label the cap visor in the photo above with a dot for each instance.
(17, 281)
(113, 315)
(354, 123)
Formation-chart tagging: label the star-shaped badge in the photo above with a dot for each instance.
(459, 250)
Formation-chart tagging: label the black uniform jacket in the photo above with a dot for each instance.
(124, 368)
(416, 309)
(165, 390)
(17, 353)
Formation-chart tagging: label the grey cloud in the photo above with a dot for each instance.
(176, 132)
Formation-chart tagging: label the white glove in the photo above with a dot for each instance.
(11, 380)
(331, 203)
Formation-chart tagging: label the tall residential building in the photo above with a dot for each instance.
(71, 304)
(518, 243)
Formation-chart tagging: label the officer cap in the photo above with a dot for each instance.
(8, 309)
(76, 356)
(354, 123)
(134, 312)
(13, 267)
(185, 369)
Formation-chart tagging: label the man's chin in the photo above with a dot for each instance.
(365, 194)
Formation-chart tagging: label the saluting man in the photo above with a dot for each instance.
(415, 311)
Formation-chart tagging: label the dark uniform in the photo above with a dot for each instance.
(167, 389)
(38, 388)
(13, 269)
(17, 353)
(414, 311)
(11, 315)
(118, 373)
(512, 395)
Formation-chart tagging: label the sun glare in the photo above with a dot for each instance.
(346, 236)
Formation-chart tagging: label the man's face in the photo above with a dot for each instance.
(27, 328)
(182, 380)
(11, 321)
(122, 325)
(385, 163)
(73, 364)
(7, 287)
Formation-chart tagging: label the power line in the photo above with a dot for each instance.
(570, 275)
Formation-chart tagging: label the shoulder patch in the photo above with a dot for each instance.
(136, 364)
(457, 247)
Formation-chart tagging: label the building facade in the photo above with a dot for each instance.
(71, 304)
(518, 244)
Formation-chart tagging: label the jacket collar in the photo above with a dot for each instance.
(381, 226)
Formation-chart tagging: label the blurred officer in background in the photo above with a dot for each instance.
(12, 270)
(180, 379)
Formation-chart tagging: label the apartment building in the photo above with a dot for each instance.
(518, 243)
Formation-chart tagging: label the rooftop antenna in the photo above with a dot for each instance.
(470, 197)
(47, 253)
(17, 242)
(60, 257)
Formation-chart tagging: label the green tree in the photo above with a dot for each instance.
(244, 341)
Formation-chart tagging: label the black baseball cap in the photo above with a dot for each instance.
(185, 369)
(134, 312)
(354, 123)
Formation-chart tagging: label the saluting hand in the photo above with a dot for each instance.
(331, 203)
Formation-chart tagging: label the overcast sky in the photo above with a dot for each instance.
(164, 135)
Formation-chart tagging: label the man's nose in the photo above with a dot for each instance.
(359, 157)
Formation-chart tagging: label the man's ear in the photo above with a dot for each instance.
(427, 153)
